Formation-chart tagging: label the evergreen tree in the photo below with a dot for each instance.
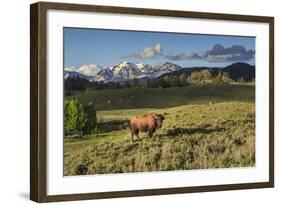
(91, 119)
(127, 84)
(148, 83)
(136, 83)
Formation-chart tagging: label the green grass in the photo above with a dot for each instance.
(215, 130)
(166, 97)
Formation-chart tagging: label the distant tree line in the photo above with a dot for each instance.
(71, 84)
(204, 76)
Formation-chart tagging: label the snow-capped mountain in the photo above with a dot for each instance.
(168, 66)
(145, 68)
(126, 71)
(75, 75)
(104, 75)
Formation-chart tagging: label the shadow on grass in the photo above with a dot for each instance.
(112, 125)
(179, 131)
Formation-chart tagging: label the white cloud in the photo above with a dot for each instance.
(149, 52)
(90, 70)
(70, 68)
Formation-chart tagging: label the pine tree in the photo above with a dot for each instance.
(136, 83)
(91, 119)
(127, 84)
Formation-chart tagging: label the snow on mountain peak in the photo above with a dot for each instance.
(75, 75)
(126, 70)
(168, 66)
(104, 74)
(145, 68)
(121, 71)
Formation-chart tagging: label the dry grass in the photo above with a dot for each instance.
(212, 135)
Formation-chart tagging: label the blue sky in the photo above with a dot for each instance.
(109, 47)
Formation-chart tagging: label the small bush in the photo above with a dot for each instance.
(79, 119)
(74, 117)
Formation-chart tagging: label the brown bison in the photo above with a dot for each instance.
(146, 123)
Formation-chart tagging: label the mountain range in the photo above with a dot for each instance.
(127, 71)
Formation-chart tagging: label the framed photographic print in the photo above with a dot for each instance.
(135, 102)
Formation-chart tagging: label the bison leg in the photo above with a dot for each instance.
(132, 135)
(137, 135)
(150, 133)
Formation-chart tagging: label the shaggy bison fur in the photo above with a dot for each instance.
(146, 123)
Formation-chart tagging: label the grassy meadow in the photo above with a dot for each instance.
(207, 126)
